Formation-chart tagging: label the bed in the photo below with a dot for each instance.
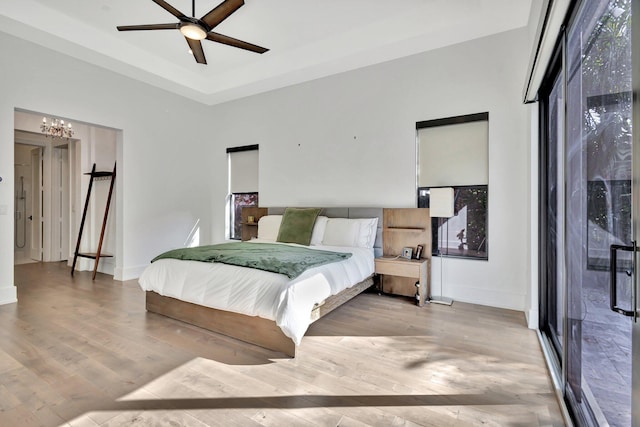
(266, 308)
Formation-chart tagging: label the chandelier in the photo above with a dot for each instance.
(56, 128)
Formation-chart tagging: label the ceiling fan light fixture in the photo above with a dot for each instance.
(193, 31)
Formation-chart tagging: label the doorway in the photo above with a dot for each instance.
(56, 202)
(28, 198)
(41, 205)
(588, 211)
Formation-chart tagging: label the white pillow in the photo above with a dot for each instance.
(268, 227)
(350, 232)
(367, 235)
(318, 230)
(341, 232)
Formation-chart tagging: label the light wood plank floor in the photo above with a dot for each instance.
(82, 353)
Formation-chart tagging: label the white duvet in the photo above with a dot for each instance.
(259, 293)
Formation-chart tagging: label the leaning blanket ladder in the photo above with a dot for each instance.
(98, 254)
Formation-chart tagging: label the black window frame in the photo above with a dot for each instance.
(424, 201)
(234, 225)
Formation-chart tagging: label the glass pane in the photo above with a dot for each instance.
(464, 234)
(598, 209)
(238, 201)
(554, 193)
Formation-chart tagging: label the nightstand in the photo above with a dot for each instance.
(413, 268)
(250, 228)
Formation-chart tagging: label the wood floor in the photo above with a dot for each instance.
(82, 353)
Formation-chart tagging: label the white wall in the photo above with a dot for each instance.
(350, 140)
(343, 140)
(95, 145)
(165, 156)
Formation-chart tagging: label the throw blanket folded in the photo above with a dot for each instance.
(284, 259)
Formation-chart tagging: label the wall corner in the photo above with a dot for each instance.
(8, 295)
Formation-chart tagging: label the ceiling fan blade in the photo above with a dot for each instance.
(172, 10)
(221, 12)
(196, 49)
(220, 38)
(148, 27)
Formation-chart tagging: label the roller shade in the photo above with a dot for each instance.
(552, 17)
(243, 170)
(454, 154)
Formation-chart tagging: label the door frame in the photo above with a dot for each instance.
(53, 234)
(37, 201)
(558, 366)
(635, 209)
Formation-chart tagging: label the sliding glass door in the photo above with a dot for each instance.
(589, 239)
(552, 217)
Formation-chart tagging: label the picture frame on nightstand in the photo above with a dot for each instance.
(407, 253)
(419, 250)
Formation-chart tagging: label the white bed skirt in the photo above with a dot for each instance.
(259, 293)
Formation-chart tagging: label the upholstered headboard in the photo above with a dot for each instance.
(350, 213)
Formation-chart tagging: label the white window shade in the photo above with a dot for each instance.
(454, 155)
(552, 16)
(243, 171)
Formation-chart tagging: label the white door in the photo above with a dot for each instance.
(59, 250)
(37, 193)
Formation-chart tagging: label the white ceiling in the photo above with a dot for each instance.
(307, 39)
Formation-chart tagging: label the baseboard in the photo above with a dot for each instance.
(532, 318)
(489, 297)
(107, 266)
(129, 273)
(8, 295)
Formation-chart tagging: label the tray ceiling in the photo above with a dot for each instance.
(308, 39)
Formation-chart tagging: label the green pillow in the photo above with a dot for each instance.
(297, 225)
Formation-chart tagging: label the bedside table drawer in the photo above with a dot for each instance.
(398, 267)
(412, 268)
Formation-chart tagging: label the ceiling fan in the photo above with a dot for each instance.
(195, 30)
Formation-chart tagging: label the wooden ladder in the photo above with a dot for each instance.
(98, 254)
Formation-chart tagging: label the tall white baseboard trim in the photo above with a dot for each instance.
(488, 297)
(129, 273)
(8, 295)
(532, 318)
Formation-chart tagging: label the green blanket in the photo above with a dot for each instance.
(284, 259)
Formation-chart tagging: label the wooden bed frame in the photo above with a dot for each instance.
(254, 329)
(251, 329)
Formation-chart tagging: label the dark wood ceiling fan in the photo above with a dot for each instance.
(195, 30)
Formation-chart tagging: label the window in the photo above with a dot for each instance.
(464, 234)
(453, 152)
(237, 202)
(243, 186)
